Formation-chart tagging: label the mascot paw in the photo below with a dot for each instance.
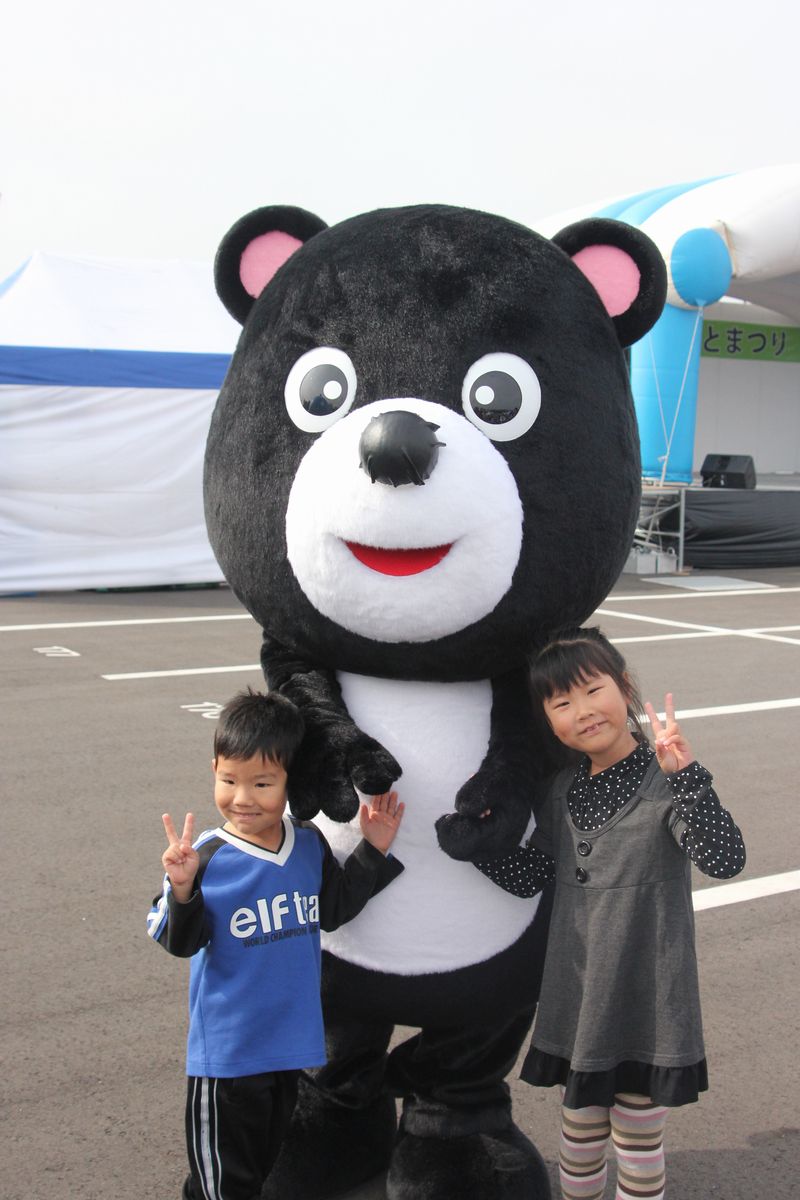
(325, 776)
(479, 1166)
(462, 837)
(372, 768)
(481, 828)
(475, 839)
(330, 1149)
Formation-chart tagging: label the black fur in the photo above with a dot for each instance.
(414, 297)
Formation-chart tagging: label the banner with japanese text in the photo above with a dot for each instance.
(739, 339)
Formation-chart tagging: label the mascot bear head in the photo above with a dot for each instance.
(424, 457)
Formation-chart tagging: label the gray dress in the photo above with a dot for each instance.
(620, 979)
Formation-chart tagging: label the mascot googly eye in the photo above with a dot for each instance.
(423, 461)
(501, 396)
(320, 389)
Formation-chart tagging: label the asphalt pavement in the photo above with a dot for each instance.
(109, 707)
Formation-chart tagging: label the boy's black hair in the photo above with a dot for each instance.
(573, 656)
(259, 723)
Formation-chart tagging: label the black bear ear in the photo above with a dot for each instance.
(254, 248)
(624, 267)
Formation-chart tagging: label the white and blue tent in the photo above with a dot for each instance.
(109, 371)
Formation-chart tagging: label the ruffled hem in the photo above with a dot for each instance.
(670, 1086)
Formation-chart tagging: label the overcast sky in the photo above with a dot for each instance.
(145, 130)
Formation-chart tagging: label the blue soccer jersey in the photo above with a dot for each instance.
(252, 929)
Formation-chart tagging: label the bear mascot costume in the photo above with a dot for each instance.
(423, 460)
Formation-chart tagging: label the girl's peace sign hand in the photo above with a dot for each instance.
(672, 749)
(180, 860)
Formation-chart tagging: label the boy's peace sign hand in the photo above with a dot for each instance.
(180, 860)
(672, 749)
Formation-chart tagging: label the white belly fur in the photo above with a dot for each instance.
(439, 914)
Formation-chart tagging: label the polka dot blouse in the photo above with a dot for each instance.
(711, 839)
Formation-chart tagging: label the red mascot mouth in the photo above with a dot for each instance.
(398, 562)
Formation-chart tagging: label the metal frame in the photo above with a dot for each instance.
(649, 533)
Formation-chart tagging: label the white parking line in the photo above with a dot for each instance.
(747, 889)
(708, 629)
(670, 637)
(677, 637)
(685, 714)
(696, 595)
(727, 710)
(133, 621)
(185, 671)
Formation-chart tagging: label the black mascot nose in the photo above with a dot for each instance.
(399, 447)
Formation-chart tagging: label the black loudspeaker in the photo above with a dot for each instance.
(728, 471)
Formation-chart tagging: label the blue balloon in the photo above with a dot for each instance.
(701, 267)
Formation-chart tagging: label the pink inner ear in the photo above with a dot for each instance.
(613, 274)
(262, 257)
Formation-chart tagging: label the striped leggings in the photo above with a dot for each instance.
(636, 1127)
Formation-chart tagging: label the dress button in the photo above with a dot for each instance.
(584, 849)
(581, 875)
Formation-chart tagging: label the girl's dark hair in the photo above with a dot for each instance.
(259, 723)
(574, 656)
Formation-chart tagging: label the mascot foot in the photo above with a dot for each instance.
(330, 1149)
(502, 1165)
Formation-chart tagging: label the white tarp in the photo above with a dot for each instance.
(109, 372)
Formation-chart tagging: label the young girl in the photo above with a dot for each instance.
(618, 1024)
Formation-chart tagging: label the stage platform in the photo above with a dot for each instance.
(709, 528)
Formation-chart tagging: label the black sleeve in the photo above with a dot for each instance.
(336, 757)
(543, 836)
(702, 827)
(310, 687)
(185, 930)
(346, 888)
(523, 873)
(529, 868)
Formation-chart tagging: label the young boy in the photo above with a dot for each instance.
(247, 902)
